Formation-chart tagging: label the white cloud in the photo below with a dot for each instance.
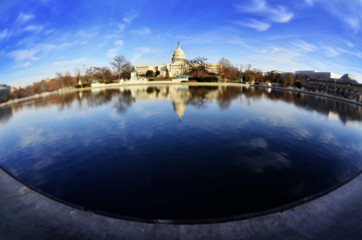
(305, 46)
(330, 51)
(257, 25)
(26, 64)
(82, 33)
(22, 18)
(119, 43)
(130, 16)
(349, 12)
(310, 2)
(21, 55)
(276, 49)
(66, 63)
(238, 42)
(276, 14)
(256, 143)
(143, 31)
(53, 47)
(47, 32)
(354, 53)
(33, 28)
(3, 34)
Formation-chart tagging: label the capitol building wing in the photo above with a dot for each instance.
(177, 67)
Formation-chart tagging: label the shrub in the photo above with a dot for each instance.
(204, 79)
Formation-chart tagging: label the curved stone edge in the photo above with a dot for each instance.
(26, 214)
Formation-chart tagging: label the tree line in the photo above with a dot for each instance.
(120, 67)
(81, 77)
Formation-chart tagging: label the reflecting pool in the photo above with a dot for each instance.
(181, 152)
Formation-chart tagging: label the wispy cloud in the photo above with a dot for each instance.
(23, 18)
(354, 53)
(237, 41)
(113, 52)
(330, 51)
(128, 19)
(278, 13)
(130, 16)
(21, 55)
(26, 64)
(305, 46)
(85, 34)
(143, 31)
(53, 47)
(349, 12)
(3, 34)
(119, 43)
(255, 24)
(310, 2)
(74, 62)
(33, 28)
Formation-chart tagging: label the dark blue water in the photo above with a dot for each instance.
(181, 152)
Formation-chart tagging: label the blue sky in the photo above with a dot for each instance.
(42, 37)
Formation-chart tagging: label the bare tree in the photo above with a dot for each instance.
(225, 69)
(197, 66)
(120, 64)
(103, 73)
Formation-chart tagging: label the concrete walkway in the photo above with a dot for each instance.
(26, 214)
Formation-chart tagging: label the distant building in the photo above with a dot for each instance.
(312, 74)
(177, 67)
(5, 92)
(315, 75)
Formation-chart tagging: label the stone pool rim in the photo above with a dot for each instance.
(27, 213)
(246, 216)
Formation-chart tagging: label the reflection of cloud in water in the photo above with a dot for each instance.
(303, 133)
(264, 158)
(114, 116)
(31, 136)
(255, 144)
(328, 137)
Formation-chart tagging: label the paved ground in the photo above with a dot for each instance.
(25, 214)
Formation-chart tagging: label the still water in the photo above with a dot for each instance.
(180, 152)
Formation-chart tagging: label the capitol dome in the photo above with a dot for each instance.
(178, 55)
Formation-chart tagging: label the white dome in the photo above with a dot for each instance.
(178, 55)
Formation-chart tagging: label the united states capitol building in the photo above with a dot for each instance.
(177, 67)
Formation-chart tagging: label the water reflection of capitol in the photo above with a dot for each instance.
(179, 95)
(183, 95)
